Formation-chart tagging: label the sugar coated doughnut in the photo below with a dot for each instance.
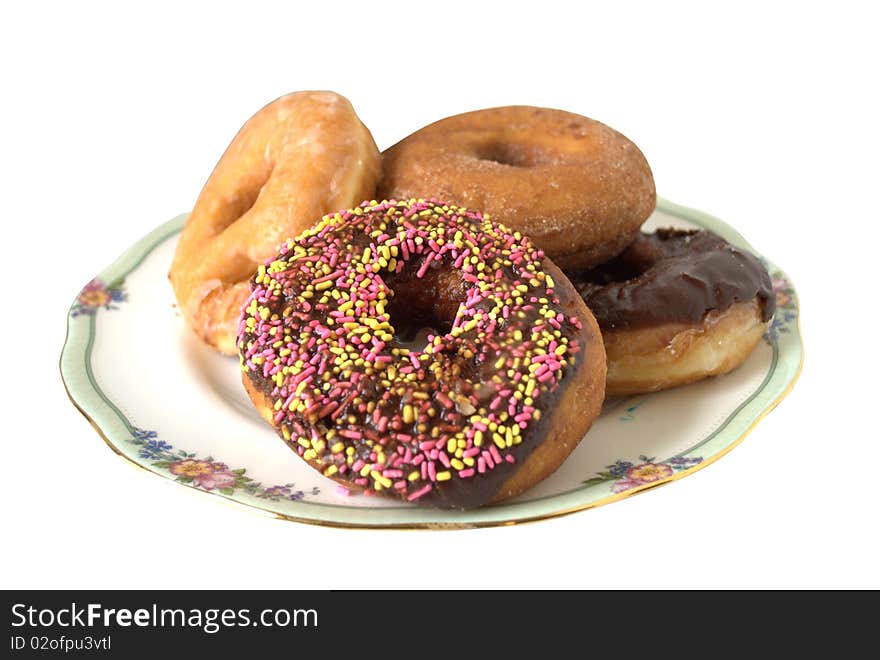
(301, 156)
(419, 350)
(578, 188)
(675, 307)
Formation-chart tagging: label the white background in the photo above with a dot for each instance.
(763, 115)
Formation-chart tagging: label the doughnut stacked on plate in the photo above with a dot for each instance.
(428, 346)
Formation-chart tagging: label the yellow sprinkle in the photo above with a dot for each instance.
(412, 476)
(338, 447)
(444, 476)
(457, 464)
(478, 439)
(378, 478)
(550, 283)
(330, 471)
(326, 284)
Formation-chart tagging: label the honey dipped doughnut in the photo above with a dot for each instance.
(301, 156)
(676, 307)
(578, 188)
(418, 350)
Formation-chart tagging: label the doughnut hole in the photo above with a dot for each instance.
(424, 305)
(633, 262)
(512, 155)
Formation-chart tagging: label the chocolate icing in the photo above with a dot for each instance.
(428, 297)
(673, 276)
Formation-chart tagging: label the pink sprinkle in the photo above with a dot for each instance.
(464, 474)
(481, 465)
(510, 458)
(496, 455)
(445, 400)
(419, 493)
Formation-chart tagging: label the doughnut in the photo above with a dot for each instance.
(675, 307)
(579, 189)
(418, 350)
(301, 156)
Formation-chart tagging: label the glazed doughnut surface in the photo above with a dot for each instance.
(498, 390)
(578, 188)
(303, 155)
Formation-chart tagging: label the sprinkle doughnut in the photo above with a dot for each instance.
(421, 351)
(301, 156)
(579, 189)
(675, 307)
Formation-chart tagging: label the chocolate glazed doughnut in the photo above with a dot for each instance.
(579, 189)
(490, 399)
(675, 307)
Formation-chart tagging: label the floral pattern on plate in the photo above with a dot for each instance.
(786, 308)
(207, 473)
(627, 475)
(97, 295)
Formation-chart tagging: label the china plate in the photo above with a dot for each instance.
(167, 403)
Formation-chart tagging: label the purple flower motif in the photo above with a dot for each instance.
(277, 491)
